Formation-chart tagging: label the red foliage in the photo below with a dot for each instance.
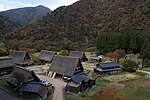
(119, 53)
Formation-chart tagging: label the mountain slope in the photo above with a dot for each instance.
(24, 16)
(77, 25)
(6, 26)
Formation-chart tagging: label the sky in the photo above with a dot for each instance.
(51, 4)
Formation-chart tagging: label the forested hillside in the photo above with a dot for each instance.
(26, 15)
(77, 26)
(6, 26)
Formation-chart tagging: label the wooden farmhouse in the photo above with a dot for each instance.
(78, 54)
(65, 66)
(21, 58)
(6, 65)
(108, 68)
(46, 56)
(20, 76)
(78, 84)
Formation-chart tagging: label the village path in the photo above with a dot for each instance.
(147, 72)
(59, 86)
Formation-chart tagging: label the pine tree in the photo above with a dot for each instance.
(133, 44)
(101, 41)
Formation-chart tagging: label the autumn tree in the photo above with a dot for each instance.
(3, 52)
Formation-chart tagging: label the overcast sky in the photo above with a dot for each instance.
(51, 4)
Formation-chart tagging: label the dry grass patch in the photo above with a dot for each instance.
(121, 78)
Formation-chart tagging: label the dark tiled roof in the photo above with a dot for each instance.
(47, 55)
(6, 62)
(108, 64)
(29, 87)
(80, 78)
(64, 65)
(78, 54)
(34, 88)
(77, 79)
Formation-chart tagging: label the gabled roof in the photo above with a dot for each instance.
(80, 78)
(78, 54)
(108, 64)
(47, 55)
(65, 65)
(34, 88)
(19, 57)
(28, 75)
(6, 62)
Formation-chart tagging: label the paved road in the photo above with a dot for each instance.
(59, 86)
(6, 96)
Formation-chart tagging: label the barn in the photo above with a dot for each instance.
(6, 65)
(21, 58)
(79, 54)
(65, 66)
(46, 56)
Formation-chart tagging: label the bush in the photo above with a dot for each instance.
(129, 65)
(64, 53)
(3, 52)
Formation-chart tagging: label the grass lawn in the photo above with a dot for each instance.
(136, 87)
(49, 97)
(2, 83)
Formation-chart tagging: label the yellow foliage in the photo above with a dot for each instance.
(64, 53)
(3, 52)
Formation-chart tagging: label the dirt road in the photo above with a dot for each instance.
(59, 86)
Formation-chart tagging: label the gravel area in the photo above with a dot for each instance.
(59, 86)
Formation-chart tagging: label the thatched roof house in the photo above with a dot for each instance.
(6, 65)
(46, 56)
(24, 75)
(78, 54)
(66, 66)
(21, 58)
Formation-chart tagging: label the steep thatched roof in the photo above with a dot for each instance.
(47, 55)
(28, 75)
(79, 54)
(20, 57)
(6, 62)
(65, 65)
